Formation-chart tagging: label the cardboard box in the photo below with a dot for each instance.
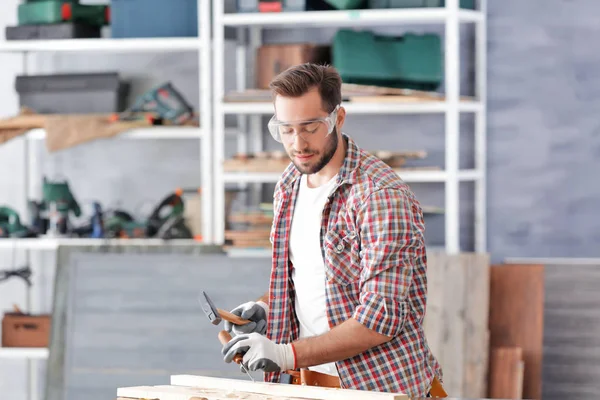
(24, 330)
(273, 59)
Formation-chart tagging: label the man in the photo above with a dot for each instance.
(348, 283)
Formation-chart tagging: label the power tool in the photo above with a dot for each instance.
(167, 220)
(11, 226)
(95, 227)
(51, 215)
(163, 103)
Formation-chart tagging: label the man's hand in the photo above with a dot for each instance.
(256, 312)
(260, 353)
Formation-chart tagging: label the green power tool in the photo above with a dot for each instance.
(164, 103)
(11, 226)
(51, 215)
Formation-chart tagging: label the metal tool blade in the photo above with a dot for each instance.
(246, 371)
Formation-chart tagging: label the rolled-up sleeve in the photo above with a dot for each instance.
(391, 232)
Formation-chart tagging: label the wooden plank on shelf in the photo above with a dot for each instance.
(390, 99)
(250, 234)
(506, 373)
(279, 389)
(351, 92)
(516, 317)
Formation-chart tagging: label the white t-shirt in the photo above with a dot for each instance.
(308, 273)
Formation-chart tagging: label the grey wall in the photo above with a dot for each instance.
(544, 132)
(543, 141)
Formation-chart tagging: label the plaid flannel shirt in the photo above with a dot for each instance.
(375, 260)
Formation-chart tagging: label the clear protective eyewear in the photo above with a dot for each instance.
(286, 132)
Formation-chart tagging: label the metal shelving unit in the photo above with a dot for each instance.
(202, 46)
(248, 27)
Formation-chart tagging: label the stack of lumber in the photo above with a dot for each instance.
(251, 229)
(277, 161)
(190, 387)
(456, 320)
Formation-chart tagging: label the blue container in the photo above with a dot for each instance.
(154, 18)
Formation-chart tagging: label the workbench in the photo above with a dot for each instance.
(192, 387)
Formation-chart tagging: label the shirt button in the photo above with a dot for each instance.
(340, 247)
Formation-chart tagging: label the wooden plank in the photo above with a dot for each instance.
(184, 393)
(506, 373)
(453, 346)
(516, 317)
(456, 323)
(434, 316)
(279, 389)
(477, 276)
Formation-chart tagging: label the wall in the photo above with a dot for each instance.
(543, 141)
(544, 134)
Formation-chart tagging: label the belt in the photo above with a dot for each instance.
(310, 378)
(314, 378)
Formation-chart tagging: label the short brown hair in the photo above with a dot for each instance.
(299, 79)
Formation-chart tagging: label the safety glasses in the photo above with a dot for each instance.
(285, 132)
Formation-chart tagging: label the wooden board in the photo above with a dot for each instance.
(506, 373)
(516, 318)
(279, 389)
(456, 324)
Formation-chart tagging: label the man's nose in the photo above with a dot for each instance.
(299, 143)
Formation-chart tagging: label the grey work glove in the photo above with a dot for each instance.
(254, 311)
(260, 353)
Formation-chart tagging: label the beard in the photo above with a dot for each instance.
(322, 158)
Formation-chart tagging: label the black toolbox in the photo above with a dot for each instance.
(66, 30)
(73, 93)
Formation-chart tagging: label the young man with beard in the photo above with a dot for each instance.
(348, 285)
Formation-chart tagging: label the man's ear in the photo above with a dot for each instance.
(341, 118)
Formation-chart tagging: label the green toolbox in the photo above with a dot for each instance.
(53, 12)
(411, 61)
(468, 4)
(346, 4)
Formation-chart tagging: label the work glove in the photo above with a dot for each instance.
(260, 353)
(256, 312)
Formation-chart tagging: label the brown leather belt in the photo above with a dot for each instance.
(313, 378)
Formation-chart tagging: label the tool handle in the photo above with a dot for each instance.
(234, 319)
(224, 338)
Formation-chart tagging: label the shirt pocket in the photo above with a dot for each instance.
(342, 261)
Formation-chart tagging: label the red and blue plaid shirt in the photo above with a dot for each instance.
(375, 261)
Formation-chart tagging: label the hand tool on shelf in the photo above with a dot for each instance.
(94, 228)
(215, 316)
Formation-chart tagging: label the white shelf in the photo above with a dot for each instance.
(432, 107)
(348, 17)
(106, 44)
(31, 353)
(409, 176)
(53, 244)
